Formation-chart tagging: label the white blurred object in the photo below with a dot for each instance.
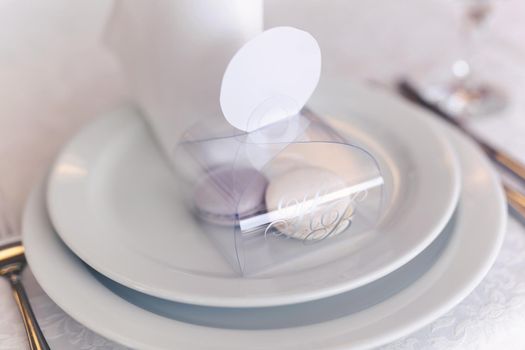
(174, 54)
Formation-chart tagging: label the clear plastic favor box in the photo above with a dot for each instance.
(276, 195)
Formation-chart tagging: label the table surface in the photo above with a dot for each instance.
(56, 77)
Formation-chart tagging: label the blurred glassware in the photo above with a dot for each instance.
(465, 94)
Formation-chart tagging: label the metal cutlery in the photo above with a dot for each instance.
(12, 263)
(515, 198)
(506, 161)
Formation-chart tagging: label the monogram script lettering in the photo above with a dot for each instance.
(312, 218)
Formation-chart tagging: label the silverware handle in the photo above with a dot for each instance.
(506, 161)
(503, 159)
(34, 333)
(516, 200)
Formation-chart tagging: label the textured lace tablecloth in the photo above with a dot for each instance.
(55, 77)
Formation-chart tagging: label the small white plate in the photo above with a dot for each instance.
(375, 314)
(115, 203)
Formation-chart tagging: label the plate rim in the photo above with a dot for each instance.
(292, 295)
(401, 328)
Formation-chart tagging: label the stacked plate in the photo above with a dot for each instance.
(110, 243)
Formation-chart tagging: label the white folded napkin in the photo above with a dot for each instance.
(174, 54)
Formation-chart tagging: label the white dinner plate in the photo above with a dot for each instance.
(369, 316)
(116, 204)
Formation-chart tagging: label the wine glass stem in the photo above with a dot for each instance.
(474, 18)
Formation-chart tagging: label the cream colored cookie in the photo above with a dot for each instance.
(308, 203)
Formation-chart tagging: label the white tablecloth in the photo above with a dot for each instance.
(55, 77)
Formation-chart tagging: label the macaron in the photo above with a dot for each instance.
(309, 203)
(227, 193)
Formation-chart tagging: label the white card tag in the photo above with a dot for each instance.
(270, 78)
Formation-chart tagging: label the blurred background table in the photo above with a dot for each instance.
(55, 76)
